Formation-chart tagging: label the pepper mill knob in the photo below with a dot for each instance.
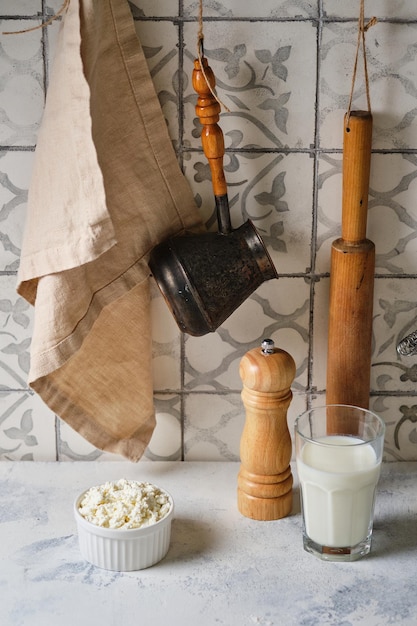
(265, 479)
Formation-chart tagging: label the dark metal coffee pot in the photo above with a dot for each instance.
(205, 277)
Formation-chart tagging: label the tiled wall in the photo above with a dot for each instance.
(284, 69)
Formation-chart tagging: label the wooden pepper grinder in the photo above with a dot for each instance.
(265, 478)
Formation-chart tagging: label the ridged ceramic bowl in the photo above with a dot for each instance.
(123, 550)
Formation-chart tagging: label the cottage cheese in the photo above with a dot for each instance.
(124, 504)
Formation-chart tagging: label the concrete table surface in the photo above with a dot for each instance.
(221, 568)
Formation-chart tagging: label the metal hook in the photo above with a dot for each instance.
(408, 345)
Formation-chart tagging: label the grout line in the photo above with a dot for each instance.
(180, 95)
(311, 151)
(301, 392)
(57, 426)
(307, 275)
(36, 17)
(45, 56)
(266, 20)
(313, 253)
(180, 156)
(17, 148)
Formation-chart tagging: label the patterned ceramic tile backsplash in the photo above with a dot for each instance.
(284, 69)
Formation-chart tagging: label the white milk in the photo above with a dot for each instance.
(338, 487)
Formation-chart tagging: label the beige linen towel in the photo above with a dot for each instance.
(106, 188)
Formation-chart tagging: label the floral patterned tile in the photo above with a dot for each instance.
(297, 406)
(329, 209)
(51, 36)
(265, 75)
(274, 191)
(320, 329)
(160, 45)
(53, 6)
(20, 7)
(247, 8)
(391, 58)
(278, 310)
(394, 317)
(15, 170)
(150, 8)
(27, 427)
(381, 9)
(22, 95)
(165, 445)
(73, 447)
(166, 344)
(16, 320)
(392, 216)
(392, 212)
(214, 425)
(400, 416)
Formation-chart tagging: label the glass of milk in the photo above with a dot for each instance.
(338, 451)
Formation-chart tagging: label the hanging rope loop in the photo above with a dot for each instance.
(63, 8)
(200, 55)
(362, 29)
(200, 34)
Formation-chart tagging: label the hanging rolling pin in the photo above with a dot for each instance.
(352, 275)
(265, 479)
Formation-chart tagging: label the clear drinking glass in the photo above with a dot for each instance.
(339, 452)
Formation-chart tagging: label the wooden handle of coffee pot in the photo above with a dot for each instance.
(208, 112)
(265, 479)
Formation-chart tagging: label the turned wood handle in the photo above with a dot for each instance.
(357, 141)
(352, 277)
(208, 112)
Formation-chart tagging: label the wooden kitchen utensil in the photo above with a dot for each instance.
(352, 275)
(265, 478)
(204, 278)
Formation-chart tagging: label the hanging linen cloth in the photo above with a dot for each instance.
(106, 188)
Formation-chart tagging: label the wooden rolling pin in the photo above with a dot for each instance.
(352, 275)
(265, 479)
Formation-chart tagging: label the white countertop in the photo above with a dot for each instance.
(221, 569)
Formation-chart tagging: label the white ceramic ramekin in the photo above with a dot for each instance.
(123, 550)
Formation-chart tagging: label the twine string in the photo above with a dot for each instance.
(63, 8)
(362, 29)
(200, 55)
(200, 34)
